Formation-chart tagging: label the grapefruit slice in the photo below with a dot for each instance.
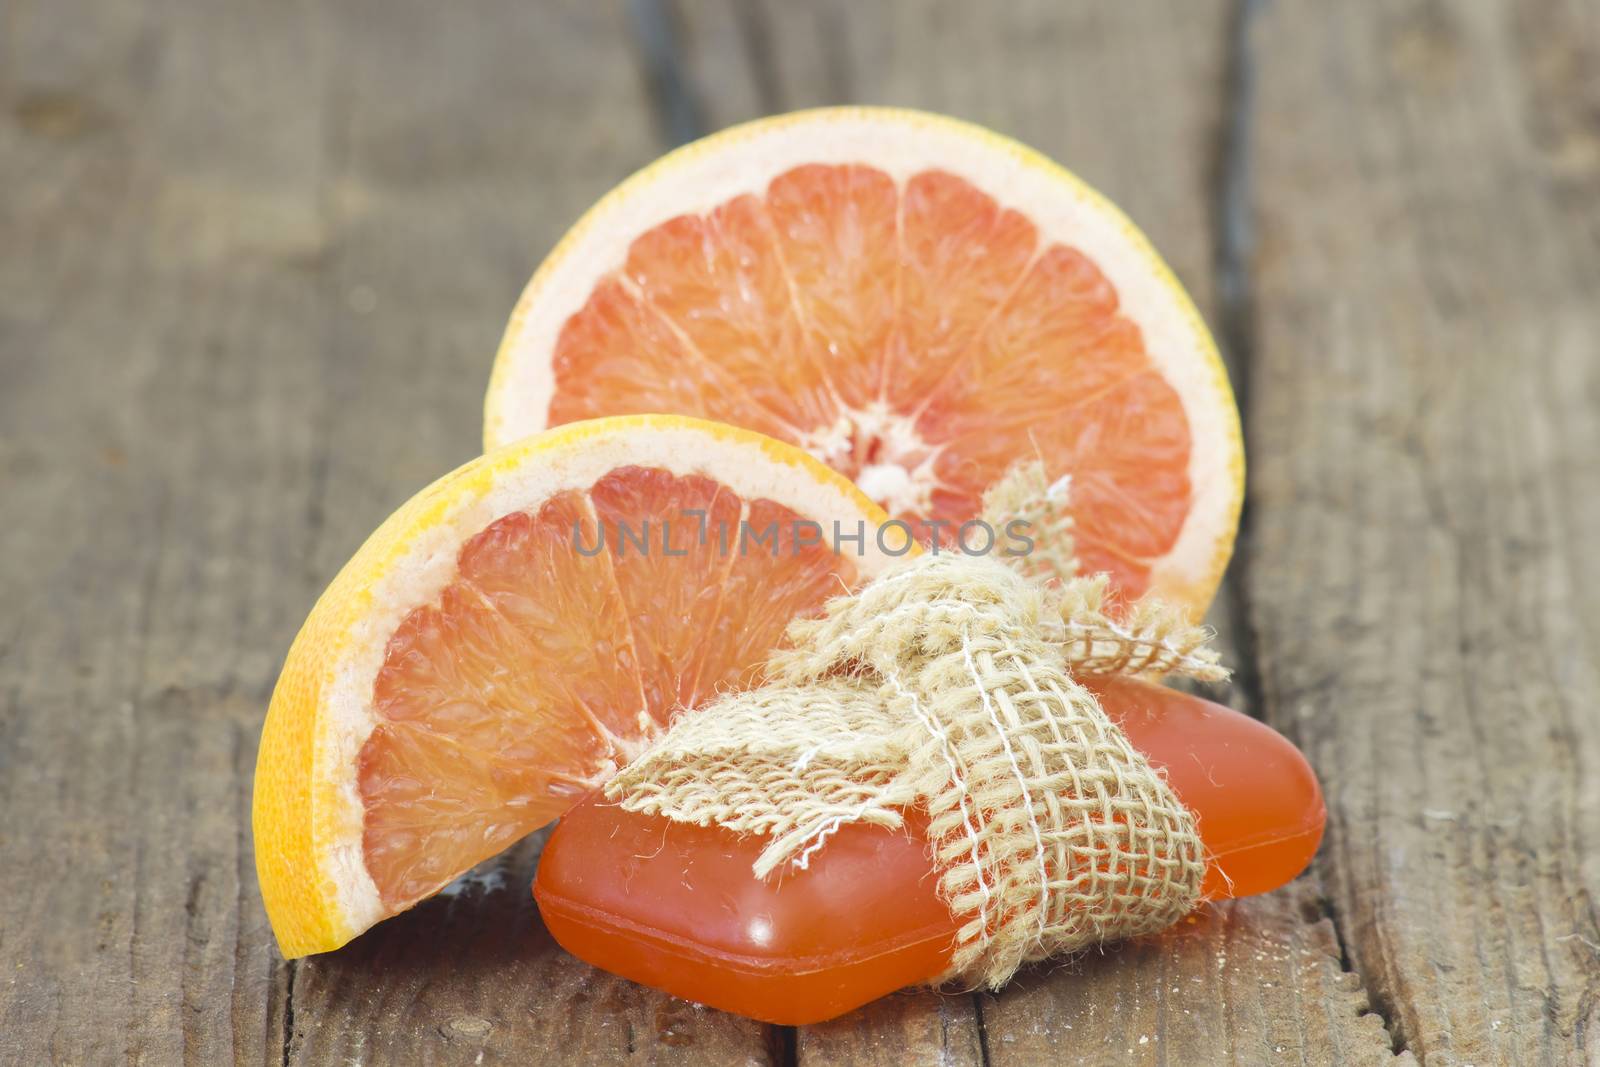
(514, 634)
(916, 301)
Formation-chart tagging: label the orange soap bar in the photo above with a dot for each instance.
(675, 906)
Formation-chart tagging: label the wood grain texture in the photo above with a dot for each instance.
(1250, 981)
(148, 287)
(254, 263)
(465, 147)
(1422, 578)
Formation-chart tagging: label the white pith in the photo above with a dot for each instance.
(902, 144)
(526, 475)
(900, 473)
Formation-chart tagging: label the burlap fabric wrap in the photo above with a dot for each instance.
(949, 684)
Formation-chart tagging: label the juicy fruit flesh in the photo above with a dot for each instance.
(544, 665)
(918, 338)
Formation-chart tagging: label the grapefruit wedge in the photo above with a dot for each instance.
(918, 303)
(514, 634)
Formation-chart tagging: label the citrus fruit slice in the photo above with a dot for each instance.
(515, 633)
(916, 301)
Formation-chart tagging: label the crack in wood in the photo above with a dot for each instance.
(665, 72)
(1234, 218)
(983, 1030)
(783, 1043)
(1378, 1003)
(1235, 303)
(288, 1011)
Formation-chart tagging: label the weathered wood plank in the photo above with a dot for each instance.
(150, 251)
(255, 262)
(467, 146)
(1422, 582)
(1247, 982)
(1133, 99)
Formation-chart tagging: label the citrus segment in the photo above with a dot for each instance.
(837, 240)
(962, 257)
(631, 361)
(514, 635)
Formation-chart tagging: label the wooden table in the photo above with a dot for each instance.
(254, 262)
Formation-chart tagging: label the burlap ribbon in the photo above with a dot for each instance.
(948, 684)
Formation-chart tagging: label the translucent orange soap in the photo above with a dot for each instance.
(676, 906)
